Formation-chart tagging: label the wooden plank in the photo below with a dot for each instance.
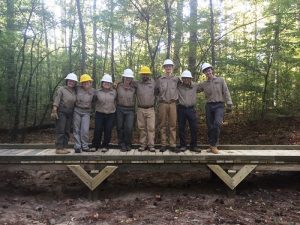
(222, 175)
(242, 174)
(232, 182)
(92, 182)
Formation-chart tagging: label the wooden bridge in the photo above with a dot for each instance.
(232, 165)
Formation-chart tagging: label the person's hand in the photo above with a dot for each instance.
(54, 114)
(229, 108)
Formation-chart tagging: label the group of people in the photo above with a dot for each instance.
(118, 104)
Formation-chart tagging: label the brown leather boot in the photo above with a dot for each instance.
(214, 150)
(62, 151)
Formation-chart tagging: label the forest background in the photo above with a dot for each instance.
(253, 44)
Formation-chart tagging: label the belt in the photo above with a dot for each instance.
(214, 102)
(186, 107)
(81, 107)
(128, 107)
(146, 106)
(167, 102)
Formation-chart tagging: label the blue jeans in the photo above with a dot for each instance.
(125, 120)
(187, 114)
(214, 112)
(104, 124)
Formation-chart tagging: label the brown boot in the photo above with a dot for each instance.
(62, 151)
(214, 150)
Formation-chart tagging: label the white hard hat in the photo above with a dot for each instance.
(168, 62)
(186, 74)
(128, 73)
(205, 66)
(72, 76)
(106, 78)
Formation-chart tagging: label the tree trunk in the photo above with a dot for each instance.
(168, 19)
(28, 92)
(95, 45)
(83, 38)
(193, 36)
(11, 73)
(178, 36)
(212, 34)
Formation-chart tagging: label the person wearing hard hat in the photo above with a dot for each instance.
(216, 94)
(166, 88)
(125, 110)
(62, 112)
(145, 112)
(186, 109)
(105, 114)
(83, 106)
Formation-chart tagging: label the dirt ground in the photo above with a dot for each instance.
(44, 197)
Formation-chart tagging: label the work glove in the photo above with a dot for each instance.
(54, 114)
(229, 108)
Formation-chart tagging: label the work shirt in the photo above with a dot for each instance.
(187, 95)
(84, 98)
(65, 98)
(216, 90)
(167, 88)
(106, 101)
(145, 92)
(125, 96)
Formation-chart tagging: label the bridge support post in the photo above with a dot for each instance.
(92, 182)
(234, 181)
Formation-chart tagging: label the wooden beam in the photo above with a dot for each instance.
(232, 182)
(92, 182)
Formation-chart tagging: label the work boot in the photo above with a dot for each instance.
(128, 148)
(87, 149)
(174, 149)
(163, 148)
(93, 148)
(123, 148)
(151, 149)
(62, 151)
(182, 148)
(142, 148)
(195, 149)
(214, 150)
(104, 149)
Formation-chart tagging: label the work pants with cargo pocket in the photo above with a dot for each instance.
(214, 113)
(125, 121)
(168, 116)
(187, 114)
(81, 125)
(63, 127)
(146, 126)
(104, 123)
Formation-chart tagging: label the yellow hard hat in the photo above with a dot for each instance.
(85, 77)
(145, 70)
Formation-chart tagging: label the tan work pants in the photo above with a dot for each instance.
(146, 125)
(168, 115)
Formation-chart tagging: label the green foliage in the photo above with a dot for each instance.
(256, 47)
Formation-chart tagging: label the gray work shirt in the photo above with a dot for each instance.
(216, 90)
(125, 96)
(187, 95)
(145, 92)
(84, 98)
(65, 98)
(167, 88)
(106, 101)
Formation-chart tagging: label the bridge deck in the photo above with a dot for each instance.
(232, 165)
(265, 155)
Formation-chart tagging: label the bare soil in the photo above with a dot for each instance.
(43, 197)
